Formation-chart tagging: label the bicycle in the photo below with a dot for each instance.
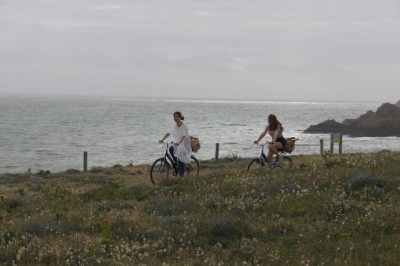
(257, 164)
(161, 167)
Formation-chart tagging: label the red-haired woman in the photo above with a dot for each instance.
(275, 130)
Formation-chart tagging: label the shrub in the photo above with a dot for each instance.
(72, 171)
(42, 228)
(88, 179)
(97, 169)
(44, 173)
(106, 206)
(10, 178)
(12, 203)
(232, 187)
(223, 229)
(176, 185)
(365, 187)
(53, 192)
(140, 191)
(123, 228)
(166, 206)
(361, 181)
(115, 191)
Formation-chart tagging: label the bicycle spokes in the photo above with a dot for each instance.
(163, 167)
(159, 171)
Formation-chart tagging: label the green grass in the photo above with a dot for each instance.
(331, 210)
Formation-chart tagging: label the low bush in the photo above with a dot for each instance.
(363, 180)
(115, 191)
(223, 229)
(167, 206)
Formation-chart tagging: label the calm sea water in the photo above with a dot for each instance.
(52, 132)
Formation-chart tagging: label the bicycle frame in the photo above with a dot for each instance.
(262, 155)
(168, 158)
(263, 158)
(161, 166)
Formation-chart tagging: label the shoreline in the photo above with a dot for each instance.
(229, 159)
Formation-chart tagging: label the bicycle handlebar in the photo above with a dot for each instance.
(263, 145)
(167, 144)
(260, 145)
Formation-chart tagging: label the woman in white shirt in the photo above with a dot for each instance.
(182, 143)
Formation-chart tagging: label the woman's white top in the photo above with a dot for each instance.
(184, 150)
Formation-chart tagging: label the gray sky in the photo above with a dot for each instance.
(269, 49)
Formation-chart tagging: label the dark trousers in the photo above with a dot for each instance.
(181, 168)
(181, 165)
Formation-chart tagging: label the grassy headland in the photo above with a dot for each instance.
(332, 210)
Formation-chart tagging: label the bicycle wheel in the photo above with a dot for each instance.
(159, 171)
(255, 166)
(286, 162)
(192, 168)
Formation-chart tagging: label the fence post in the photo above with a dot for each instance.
(216, 151)
(321, 146)
(332, 141)
(340, 143)
(85, 159)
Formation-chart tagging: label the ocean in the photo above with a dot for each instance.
(51, 133)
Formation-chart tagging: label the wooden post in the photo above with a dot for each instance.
(332, 141)
(216, 151)
(340, 143)
(85, 157)
(321, 146)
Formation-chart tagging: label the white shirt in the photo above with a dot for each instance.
(184, 150)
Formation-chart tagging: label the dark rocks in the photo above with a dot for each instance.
(384, 122)
(329, 126)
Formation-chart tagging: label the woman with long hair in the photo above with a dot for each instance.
(275, 130)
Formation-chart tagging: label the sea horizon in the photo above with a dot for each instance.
(190, 99)
(52, 132)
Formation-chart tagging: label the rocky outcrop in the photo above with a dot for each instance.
(384, 122)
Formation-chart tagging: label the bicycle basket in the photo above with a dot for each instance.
(290, 144)
(195, 143)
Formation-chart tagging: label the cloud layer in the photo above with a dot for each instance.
(286, 50)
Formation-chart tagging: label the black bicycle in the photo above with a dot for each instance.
(162, 167)
(257, 165)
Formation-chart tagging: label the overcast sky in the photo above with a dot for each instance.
(254, 49)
